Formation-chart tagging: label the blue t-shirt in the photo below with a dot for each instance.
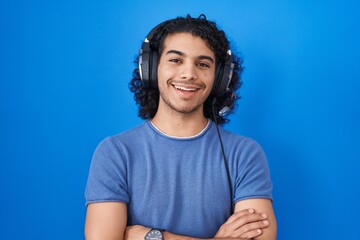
(177, 184)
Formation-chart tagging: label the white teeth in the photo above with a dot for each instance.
(185, 89)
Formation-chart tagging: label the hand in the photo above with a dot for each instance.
(244, 224)
(136, 232)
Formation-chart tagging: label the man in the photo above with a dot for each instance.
(177, 175)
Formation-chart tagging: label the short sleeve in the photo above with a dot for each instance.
(107, 176)
(253, 176)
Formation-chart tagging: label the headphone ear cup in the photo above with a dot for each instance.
(154, 67)
(218, 76)
(144, 65)
(223, 78)
(149, 57)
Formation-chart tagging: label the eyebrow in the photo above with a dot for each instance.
(183, 54)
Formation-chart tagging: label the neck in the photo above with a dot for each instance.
(179, 124)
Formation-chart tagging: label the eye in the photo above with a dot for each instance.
(203, 65)
(175, 60)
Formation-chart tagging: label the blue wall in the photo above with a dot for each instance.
(64, 71)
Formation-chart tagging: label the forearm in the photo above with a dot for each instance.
(137, 232)
(171, 236)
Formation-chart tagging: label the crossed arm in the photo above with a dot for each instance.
(253, 219)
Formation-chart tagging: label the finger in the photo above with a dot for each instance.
(245, 223)
(252, 234)
(232, 224)
(247, 219)
(240, 214)
(251, 228)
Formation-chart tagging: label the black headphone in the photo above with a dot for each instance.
(148, 64)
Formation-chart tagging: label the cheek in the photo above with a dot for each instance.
(164, 72)
(160, 74)
(210, 78)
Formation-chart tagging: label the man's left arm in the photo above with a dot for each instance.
(261, 205)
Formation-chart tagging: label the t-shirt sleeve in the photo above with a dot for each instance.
(107, 176)
(253, 176)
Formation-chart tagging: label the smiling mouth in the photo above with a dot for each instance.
(186, 89)
(186, 86)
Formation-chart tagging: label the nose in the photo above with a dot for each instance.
(188, 72)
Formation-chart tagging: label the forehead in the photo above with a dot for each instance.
(187, 43)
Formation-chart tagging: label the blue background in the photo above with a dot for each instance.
(64, 73)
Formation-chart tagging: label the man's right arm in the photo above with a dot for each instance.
(106, 221)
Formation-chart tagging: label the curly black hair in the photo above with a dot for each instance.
(148, 99)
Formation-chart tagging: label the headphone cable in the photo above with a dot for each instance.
(224, 156)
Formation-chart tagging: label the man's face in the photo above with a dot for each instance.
(186, 73)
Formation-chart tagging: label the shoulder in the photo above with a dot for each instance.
(140, 129)
(241, 142)
(135, 132)
(126, 137)
(244, 152)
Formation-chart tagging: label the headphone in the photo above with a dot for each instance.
(149, 58)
